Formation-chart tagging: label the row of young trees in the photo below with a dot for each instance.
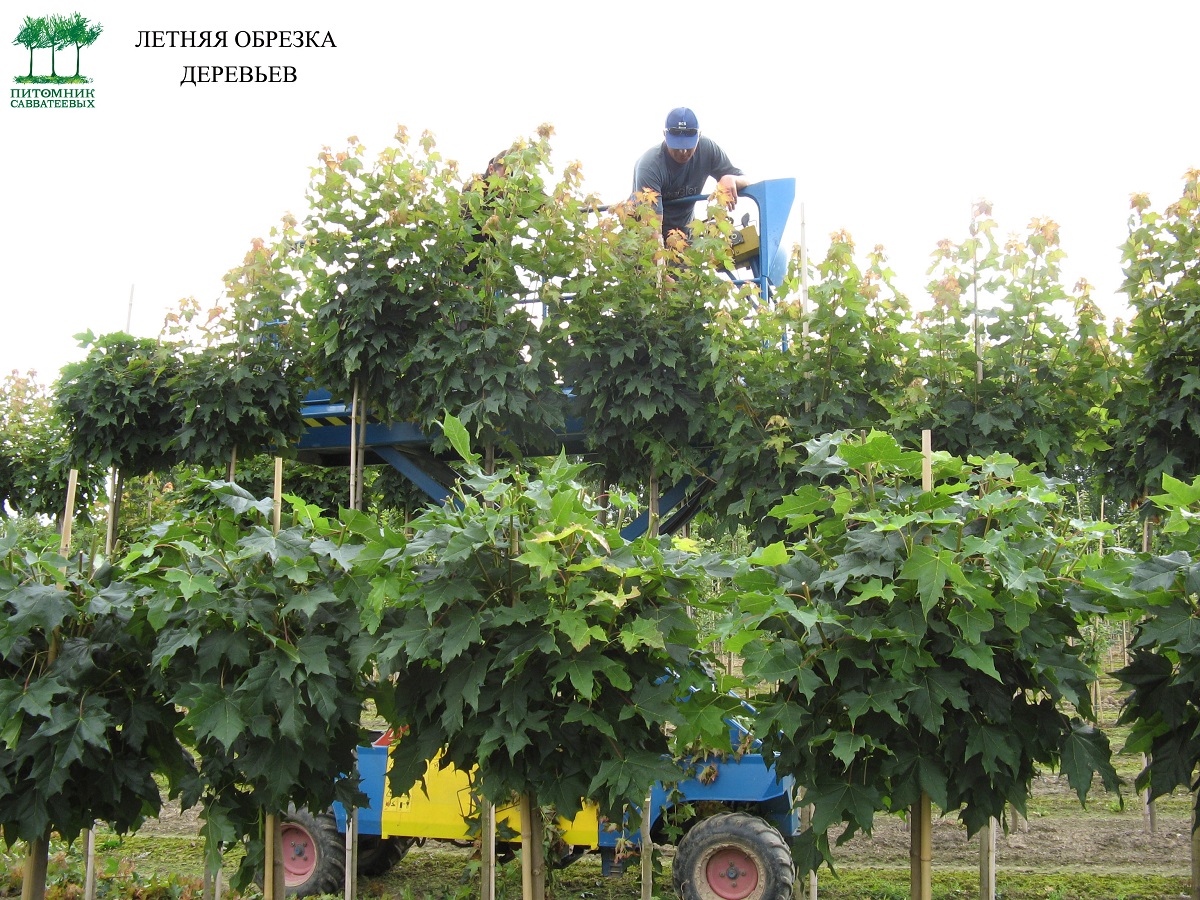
(900, 642)
(402, 281)
(401, 287)
(56, 33)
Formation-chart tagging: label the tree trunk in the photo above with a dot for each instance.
(920, 850)
(1149, 814)
(487, 852)
(33, 883)
(987, 861)
(533, 857)
(117, 482)
(211, 887)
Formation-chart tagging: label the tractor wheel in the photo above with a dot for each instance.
(733, 856)
(377, 855)
(314, 854)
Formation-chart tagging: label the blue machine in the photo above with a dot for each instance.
(741, 781)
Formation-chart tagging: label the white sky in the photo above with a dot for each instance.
(893, 117)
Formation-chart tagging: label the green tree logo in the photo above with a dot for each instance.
(56, 33)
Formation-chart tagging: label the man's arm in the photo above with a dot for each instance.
(729, 177)
(648, 176)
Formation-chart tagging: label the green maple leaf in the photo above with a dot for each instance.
(641, 632)
(1176, 626)
(583, 677)
(931, 569)
(772, 555)
(542, 557)
(1085, 753)
(972, 622)
(313, 652)
(995, 746)
(37, 607)
(308, 602)
(461, 632)
(837, 802)
(978, 657)
(216, 715)
(933, 690)
(343, 555)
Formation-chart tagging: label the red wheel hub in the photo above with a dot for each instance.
(299, 854)
(731, 874)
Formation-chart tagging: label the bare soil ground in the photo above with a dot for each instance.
(1059, 836)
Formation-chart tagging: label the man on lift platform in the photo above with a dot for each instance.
(679, 167)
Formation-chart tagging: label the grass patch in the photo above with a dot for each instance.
(893, 884)
(168, 868)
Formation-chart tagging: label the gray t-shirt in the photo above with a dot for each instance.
(658, 172)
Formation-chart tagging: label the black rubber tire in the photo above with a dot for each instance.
(739, 843)
(314, 854)
(377, 855)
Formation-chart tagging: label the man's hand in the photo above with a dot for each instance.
(727, 190)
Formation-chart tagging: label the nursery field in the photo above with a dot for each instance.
(1061, 851)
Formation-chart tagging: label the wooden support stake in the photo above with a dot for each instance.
(808, 888)
(110, 542)
(487, 853)
(804, 291)
(37, 854)
(68, 519)
(89, 868)
(646, 852)
(1148, 812)
(920, 850)
(351, 884)
(360, 464)
(987, 861)
(273, 885)
(1195, 849)
(277, 495)
(64, 547)
(920, 839)
(652, 505)
(927, 460)
(354, 446)
(533, 857)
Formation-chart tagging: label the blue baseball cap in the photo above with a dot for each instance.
(682, 131)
